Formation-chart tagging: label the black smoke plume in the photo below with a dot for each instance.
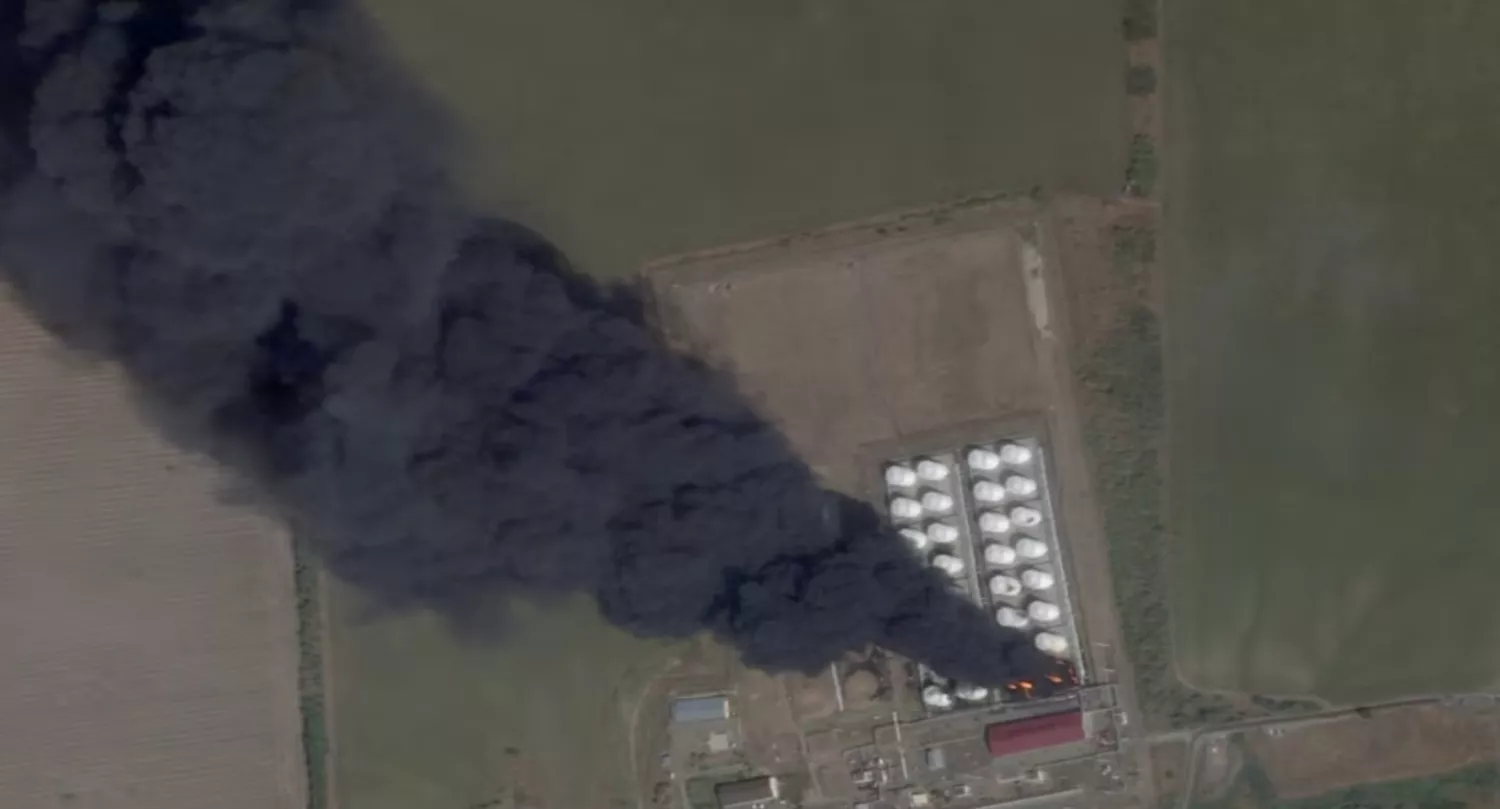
(241, 203)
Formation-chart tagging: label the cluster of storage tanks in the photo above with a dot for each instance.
(978, 517)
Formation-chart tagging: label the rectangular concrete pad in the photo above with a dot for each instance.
(149, 629)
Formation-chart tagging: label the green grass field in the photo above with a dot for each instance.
(1333, 251)
(630, 130)
(424, 719)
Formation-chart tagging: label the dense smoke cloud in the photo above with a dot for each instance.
(239, 203)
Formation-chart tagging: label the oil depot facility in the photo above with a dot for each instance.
(889, 733)
(982, 516)
(963, 433)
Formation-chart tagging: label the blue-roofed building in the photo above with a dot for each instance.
(700, 709)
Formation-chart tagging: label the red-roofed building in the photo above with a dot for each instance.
(1008, 738)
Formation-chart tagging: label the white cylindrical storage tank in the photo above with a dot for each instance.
(1025, 517)
(900, 476)
(1020, 486)
(930, 470)
(1037, 580)
(951, 565)
(1015, 455)
(933, 696)
(916, 539)
(972, 693)
(986, 491)
(1005, 586)
(1031, 549)
(905, 508)
(1012, 617)
(1043, 612)
(1001, 555)
(983, 460)
(1052, 643)
(937, 502)
(942, 533)
(993, 522)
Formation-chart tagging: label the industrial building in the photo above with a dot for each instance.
(750, 793)
(1025, 735)
(700, 709)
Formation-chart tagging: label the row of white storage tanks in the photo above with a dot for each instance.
(980, 460)
(927, 471)
(942, 695)
(988, 494)
(1025, 550)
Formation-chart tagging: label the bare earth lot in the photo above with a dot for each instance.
(149, 631)
(860, 337)
(1332, 230)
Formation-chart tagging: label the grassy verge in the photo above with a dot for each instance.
(1140, 80)
(1141, 170)
(1123, 393)
(1451, 790)
(1446, 791)
(1140, 21)
(310, 676)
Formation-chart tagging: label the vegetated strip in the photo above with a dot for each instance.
(1122, 399)
(306, 580)
(1450, 790)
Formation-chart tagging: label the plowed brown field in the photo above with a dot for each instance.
(148, 629)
